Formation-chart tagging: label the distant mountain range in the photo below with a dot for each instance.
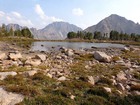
(14, 27)
(55, 31)
(117, 23)
(59, 30)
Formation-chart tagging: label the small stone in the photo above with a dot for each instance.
(70, 52)
(33, 62)
(62, 78)
(91, 80)
(125, 49)
(72, 97)
(107, 89)
(15, 56)
(42, 57)
(121, 76)
(120, 86)
(49, 75)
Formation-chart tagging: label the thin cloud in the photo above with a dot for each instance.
(77, 12)
(15, 18)
(16, 14)
(45, 19)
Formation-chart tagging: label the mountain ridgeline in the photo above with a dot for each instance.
(55, 31)
(116, 23)
(60, 30)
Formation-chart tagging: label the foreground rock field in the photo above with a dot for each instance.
(96, 76)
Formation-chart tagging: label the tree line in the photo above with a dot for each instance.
(25, 32)
(113, 35)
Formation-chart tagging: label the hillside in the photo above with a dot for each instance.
(117, 23)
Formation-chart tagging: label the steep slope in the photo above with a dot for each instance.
(117, 23)
(55, 31)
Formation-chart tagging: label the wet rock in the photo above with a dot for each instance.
(3, 75)
(101, 56)
(8, 98)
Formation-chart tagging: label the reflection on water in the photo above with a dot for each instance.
(47, 46)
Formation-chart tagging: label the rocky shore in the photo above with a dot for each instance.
(76, 75)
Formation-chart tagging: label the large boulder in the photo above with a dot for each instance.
(8, 98)
(101, 56)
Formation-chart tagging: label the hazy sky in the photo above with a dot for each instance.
(83, 13)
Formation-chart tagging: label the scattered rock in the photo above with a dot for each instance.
(107, 89)
(69, 52)
(3, 56)
(72, 97)
(42, 57)
(120, 86)
(121, 76)
(15, 56)
(91, 80)
(33, 62)
(125, 49)
(101, 56)
(49, 75)
(62, 78)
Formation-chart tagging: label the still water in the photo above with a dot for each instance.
(48, 45)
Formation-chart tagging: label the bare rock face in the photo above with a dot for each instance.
(101, 56)
(8, 98)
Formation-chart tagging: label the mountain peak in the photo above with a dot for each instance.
(117, 23)
(55, 31)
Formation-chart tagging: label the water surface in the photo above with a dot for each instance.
(49, 45)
